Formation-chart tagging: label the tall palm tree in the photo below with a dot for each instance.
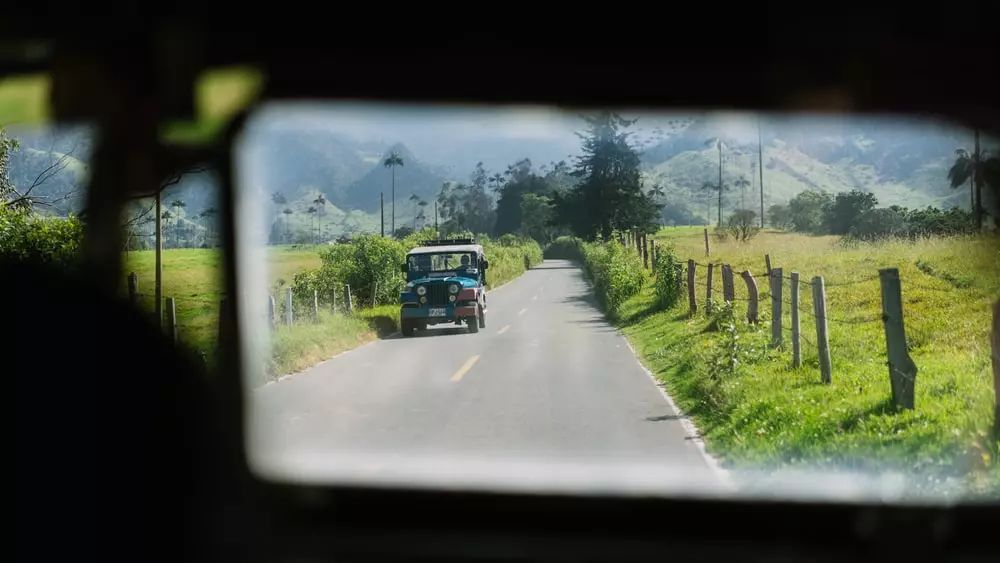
(320, 203)
(978, 168)
(717, 141)
(656, 191)
(177, 204)
(166, 216)
(708, 187)
(206, 216)
(312, 211)
(497, 181)
(391, 162)
(742, 183)
(421, 215)
(288, 216)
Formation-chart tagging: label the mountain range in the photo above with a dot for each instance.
(902, 162)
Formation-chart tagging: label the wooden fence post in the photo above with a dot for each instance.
(271, 306)
(728, 291)
(707, 250)
(289, 316)
(995, 345)
(692, 302)
(708, 289)
(171, 314)
(315, 305)
(796, 345)
(333, 306)
(822, 341)
(133, 289)
(653, 253)
(776, 336)
(902, 370)
(767, 261)
(752, 300)
(348, 302)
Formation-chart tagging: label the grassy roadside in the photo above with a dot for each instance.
(193, 277)
(767, 414)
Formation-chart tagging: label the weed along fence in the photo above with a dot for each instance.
(293, 309)
(188, 318)
(814, 320)
(796, 311)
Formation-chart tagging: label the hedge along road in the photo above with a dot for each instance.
(547, 396)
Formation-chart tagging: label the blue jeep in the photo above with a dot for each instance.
(446, 283)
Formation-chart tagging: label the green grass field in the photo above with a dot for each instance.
(192, 276)
(770, 414)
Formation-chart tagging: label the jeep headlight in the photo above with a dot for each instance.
(421, 290)
(453, 289)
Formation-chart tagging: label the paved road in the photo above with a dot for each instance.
(548, 395)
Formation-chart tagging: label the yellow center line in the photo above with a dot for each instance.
(521, 312)
(504, 329)
(465, 368)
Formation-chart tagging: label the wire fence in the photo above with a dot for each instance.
(818, 322)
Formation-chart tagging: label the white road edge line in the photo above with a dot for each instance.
(689, 428)
(521, 312)
(504, 329)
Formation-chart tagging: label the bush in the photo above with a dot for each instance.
(879, 223)
(843, 213)
(667, 272)
(743, 225)
(370, 264)
(806, 210)
(510, 258)
(617, 273)
(565, 248)
(26, 236)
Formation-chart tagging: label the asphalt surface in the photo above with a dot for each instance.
(548, 395)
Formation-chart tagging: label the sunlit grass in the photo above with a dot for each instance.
(771, 414)
(193, 277)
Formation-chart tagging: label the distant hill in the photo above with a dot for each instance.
(303, 160)
(414, 177)
(901, 163)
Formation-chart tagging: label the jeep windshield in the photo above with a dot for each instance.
(459, 262)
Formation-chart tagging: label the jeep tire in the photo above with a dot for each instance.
(406, 326)
(482, 318)
(473, 324)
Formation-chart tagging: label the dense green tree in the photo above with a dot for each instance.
(845, 210)
(806, 210)
(609, 195)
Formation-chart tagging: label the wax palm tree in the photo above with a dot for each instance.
(391, 162)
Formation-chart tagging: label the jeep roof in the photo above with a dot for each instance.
(478, 248)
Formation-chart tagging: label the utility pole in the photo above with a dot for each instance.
(760, 166)
(437, 233)
(158, 286)
(719, 145)
(381, 210)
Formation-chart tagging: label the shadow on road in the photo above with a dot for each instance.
(431, 332)
(665, 417)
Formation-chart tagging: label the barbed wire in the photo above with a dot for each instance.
(852, 282)
(854, 321)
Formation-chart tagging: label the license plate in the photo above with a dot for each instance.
(437, 312)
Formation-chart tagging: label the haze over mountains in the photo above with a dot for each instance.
(337, 150)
